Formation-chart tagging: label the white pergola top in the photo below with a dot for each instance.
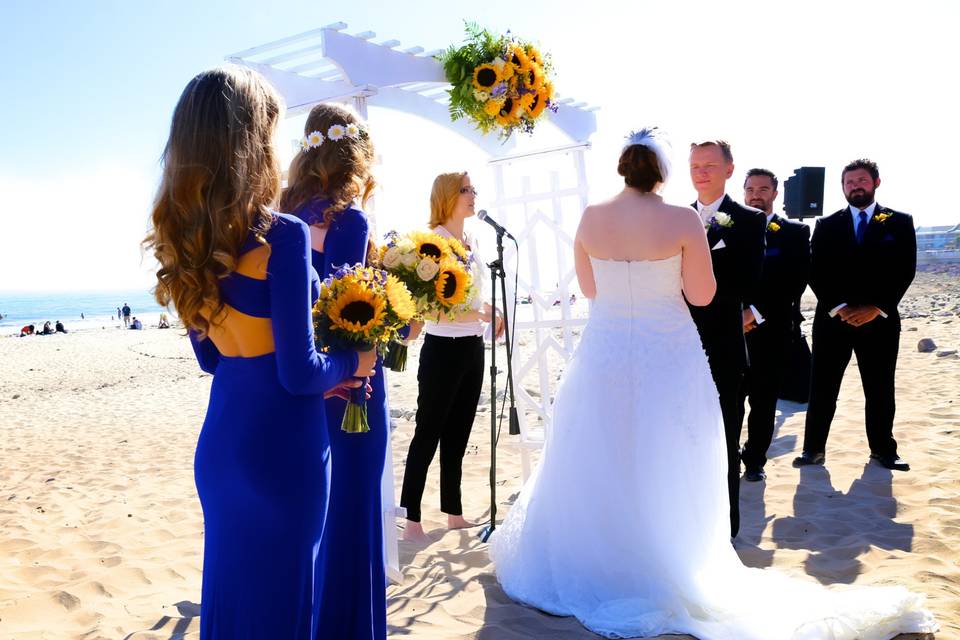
(326, 64)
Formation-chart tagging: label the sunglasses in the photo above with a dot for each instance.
(465, 190)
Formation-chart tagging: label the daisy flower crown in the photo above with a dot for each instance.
(336, 132)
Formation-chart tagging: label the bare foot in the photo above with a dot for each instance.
(413, 532)
(458, 522)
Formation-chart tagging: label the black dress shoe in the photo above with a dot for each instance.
(754, 475)
(894, 463)
(806, 458)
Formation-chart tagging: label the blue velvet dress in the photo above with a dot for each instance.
(353, 597)
(262, 460)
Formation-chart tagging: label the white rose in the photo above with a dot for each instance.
(722, 219)
(409, 259)
(427, 269)
(391, 257)
(406, 245)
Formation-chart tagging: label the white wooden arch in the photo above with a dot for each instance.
(330, 65)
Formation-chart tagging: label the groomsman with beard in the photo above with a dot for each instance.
(735, 235)
(786, 268)
(863, 260)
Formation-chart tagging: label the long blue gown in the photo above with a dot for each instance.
(353, 597)
(262, 460)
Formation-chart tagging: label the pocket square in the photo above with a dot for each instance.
(719, 245)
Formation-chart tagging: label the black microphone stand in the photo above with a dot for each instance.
(497, 272)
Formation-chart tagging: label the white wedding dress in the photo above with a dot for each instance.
(625, 523)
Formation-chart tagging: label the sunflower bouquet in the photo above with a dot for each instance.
(436, 272)
(360, 308)
(502, 83)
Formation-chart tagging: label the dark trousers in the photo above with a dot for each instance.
(729, 381)
(450, 377)
(876, 344)
(769, 348)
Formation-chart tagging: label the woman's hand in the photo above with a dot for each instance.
(416, 326)
(366, 361)
(342, 390)
(497, 318)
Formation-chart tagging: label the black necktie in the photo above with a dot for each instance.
(861, 226)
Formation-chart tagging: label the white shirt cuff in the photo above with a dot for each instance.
(756, 315)
(837, 308)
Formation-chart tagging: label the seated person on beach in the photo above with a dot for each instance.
(47, 329)
(60, 328)
(27, 330)
(164, 322)
(136, 324)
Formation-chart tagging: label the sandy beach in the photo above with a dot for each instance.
(101, 531)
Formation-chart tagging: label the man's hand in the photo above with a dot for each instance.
(859, 315)
(749, 320)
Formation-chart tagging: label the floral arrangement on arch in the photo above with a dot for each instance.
(502, 83)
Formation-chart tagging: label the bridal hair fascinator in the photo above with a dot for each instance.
(655, 140)
(335, 133)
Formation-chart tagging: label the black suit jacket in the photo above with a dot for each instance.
(877, 272)
(737, 266)
(786, 270)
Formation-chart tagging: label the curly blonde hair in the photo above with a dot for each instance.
(221, 177)
(339, 171)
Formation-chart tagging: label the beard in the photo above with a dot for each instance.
(860, 198)
(763, 205)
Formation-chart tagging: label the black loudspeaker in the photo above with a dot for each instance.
(803, 193)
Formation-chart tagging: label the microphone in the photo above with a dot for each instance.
(482, 215)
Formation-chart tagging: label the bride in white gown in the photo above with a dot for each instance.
(625, 523)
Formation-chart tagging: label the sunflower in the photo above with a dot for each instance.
(527, 101)
(485, 76)
(358, 309)
(452, 283)
(509, 113)
(518, 58)
(400, 299)
(538, 104)
(492, 107)
(534, 55)
(430, 245)
(458, 249)
(534, 77)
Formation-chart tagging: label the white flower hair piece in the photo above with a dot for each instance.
(336, 132)
(655, 140)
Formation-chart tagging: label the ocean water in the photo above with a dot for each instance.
(99, 309)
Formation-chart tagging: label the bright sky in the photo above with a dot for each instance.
(89, 88)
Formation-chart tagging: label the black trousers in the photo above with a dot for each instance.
(729, 380)
(450, 378)
(769, 348)
(876, 344)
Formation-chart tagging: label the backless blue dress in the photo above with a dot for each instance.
(262, 459)
(353, 596)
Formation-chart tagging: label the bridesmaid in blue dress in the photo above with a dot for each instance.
(240, 278)
(325, 181)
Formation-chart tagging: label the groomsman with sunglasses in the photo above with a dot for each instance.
(786, 269)
(864, 258)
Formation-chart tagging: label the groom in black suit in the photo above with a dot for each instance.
(863, 260)
(735, 235)
(786, 269)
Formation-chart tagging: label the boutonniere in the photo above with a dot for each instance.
(720, 219)
(881, 217)
(773, 227)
